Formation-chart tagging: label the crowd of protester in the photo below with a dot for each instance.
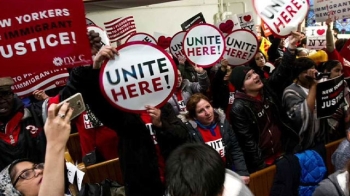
(220, 125)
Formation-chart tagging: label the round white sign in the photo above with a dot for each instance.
(204, 45)
(241, 47)
(176, 45)
(131, 83)
(103, 34)
(141, 37)
(282, 17)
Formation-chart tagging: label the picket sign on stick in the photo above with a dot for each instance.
(103, 34)
(176, 45)
(49, 35)
(324, 9)
(282, 16)
(143, 74)
(141, 37)
(316, 37)
(204, 45)
(241, 47)
(247, 21)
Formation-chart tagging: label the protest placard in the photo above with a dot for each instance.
(120, 28)
(329, 96)
(46, 36)
(229, 25)
(241, 47)
(26, 84)
(204, 45)
(197, 19)
(176, 45)
(324, 9)
(247, 21)
(103, 34)
(316, 37)
(143, 74)
(141, 37)
(282, 17)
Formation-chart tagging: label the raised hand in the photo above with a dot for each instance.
(106, 52)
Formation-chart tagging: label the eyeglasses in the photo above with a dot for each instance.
(5, 94)
(28, 174)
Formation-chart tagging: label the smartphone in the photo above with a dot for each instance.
(76, 102)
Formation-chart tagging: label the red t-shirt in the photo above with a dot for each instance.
(146, 118)
(214, 140)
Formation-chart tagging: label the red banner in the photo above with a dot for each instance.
(42, 35)
(26, 84)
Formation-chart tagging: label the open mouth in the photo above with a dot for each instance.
(3, 110)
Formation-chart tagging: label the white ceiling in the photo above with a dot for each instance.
(100, 5)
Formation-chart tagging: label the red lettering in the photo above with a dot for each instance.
(144, 86)
(198, 51)
(131, 90)
(233, 52)
(190, 51)
(178, 54)
(239, 54)
(296, 4)
(285, 17)
(244, 56)
(156, 84)
(277, 26)
(221, 152)
(212, 50)
(290, 11)
(115, 94)
(205, 51)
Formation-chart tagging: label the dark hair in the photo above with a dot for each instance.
(192, 104)
(12, 172)
(340, 43)
(301, 64)
(256, 68)
(302, 42)
(328, 66)
(194, 169)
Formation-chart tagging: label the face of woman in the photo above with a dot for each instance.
(31, 185)
(260, 60)
(336, 71)
(204, 112)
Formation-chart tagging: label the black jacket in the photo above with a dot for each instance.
(233, 153)
(220, 90)
(274, 52)
(243, 117)
(137, 152)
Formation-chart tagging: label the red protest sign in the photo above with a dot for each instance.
(37, 36)
(281, 16)
(345, 51)
(143, 74)
(26, 84)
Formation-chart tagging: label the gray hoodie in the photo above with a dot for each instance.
(336, 184)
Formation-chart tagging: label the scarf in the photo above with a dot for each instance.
(210, 127)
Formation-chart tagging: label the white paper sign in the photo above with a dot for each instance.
(229, 25)
(71, 170)
(324, 9)
(204, 45)
(282, 16)
(176, 45)
(316, 37)
(247, 21)
(102, 33)
(143, 74)
(80, 177)
(241, 47)
(141, 37)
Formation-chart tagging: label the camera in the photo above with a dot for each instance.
(319, 75)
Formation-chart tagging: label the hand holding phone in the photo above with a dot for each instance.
(76, 102)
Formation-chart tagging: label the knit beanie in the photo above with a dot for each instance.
(238, 75)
